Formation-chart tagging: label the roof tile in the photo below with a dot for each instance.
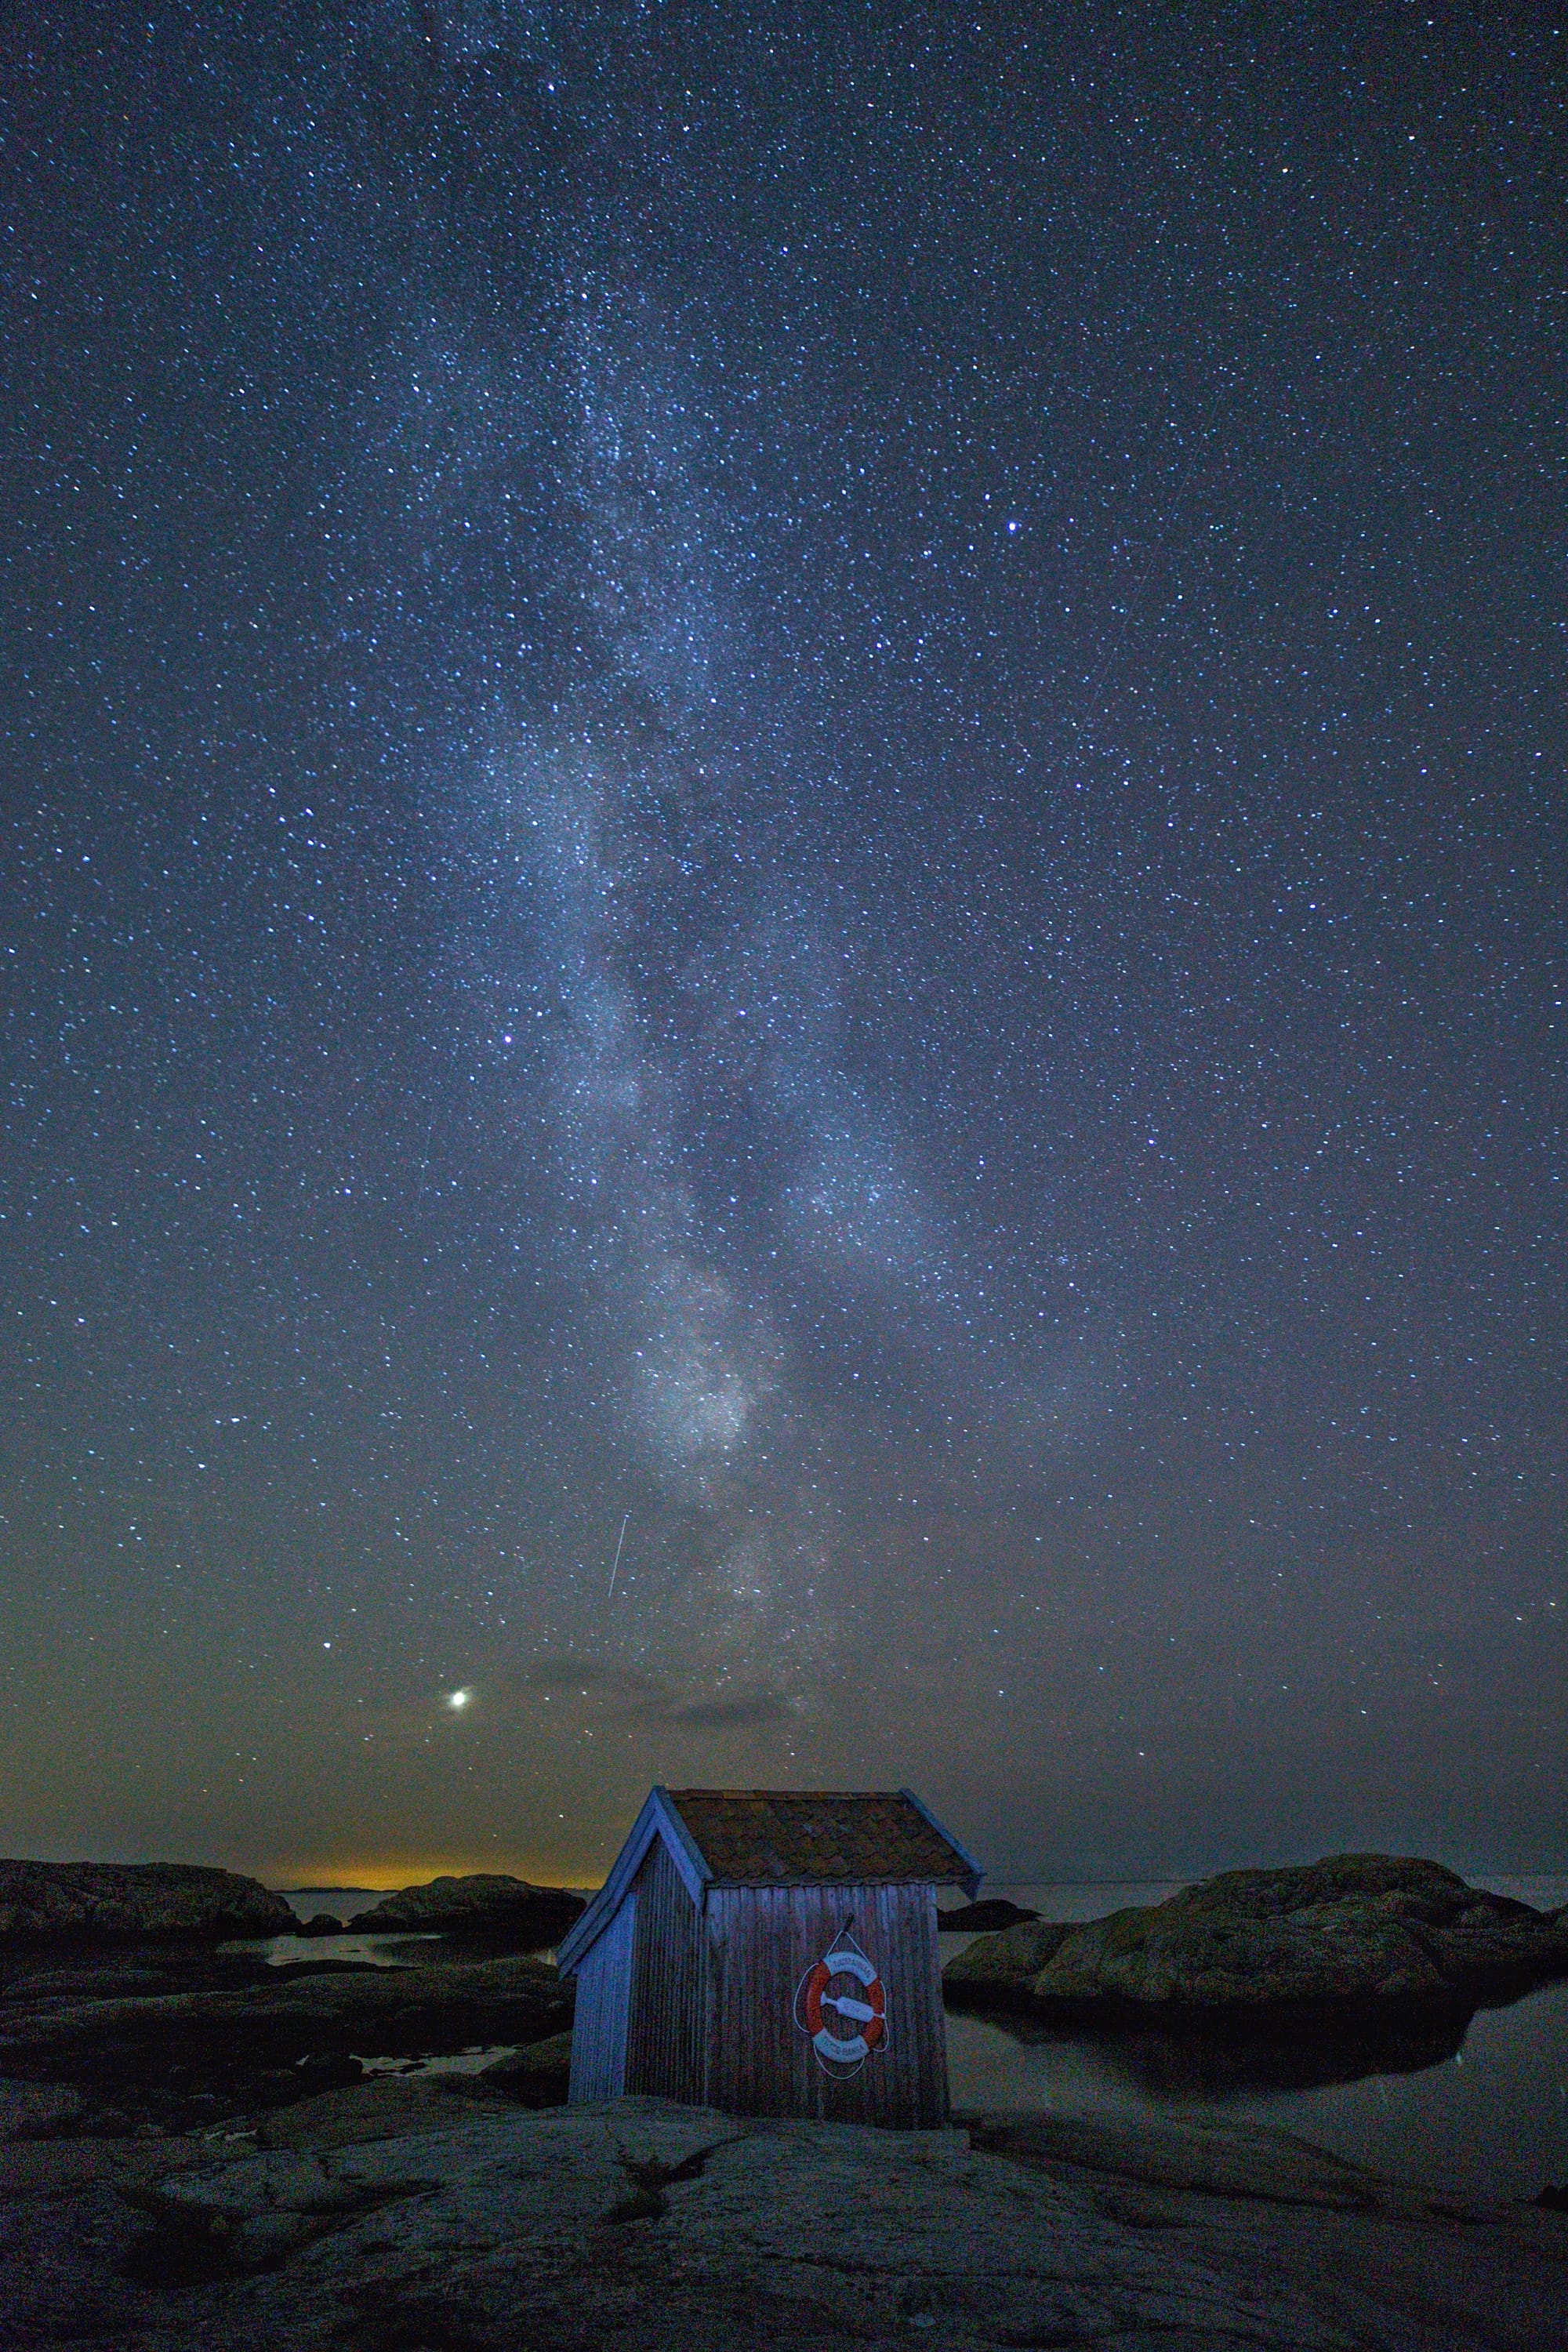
(765, 1837)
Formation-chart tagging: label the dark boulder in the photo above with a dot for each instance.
(536, 2076)
(486, 1903)
(323, 1924)
(59, 1901)
(1354, 1928)
(974, 1919)
(1004, 1967)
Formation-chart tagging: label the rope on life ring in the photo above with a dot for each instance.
(842, 2054)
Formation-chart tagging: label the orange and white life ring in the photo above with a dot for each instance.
(869, 2017)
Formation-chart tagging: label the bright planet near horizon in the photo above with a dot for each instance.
(781, 950)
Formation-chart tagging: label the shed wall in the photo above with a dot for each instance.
(599, 2019)
(665, 2036)
(761, 1943)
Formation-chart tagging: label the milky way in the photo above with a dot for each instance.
(784, 812)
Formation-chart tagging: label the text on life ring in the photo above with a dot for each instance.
(868, 2018)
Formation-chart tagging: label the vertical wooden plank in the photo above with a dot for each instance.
(754, 1946)
(663, 2053)
(715, 1982)
(600, 2016)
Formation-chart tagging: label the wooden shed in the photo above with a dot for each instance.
(770, 1953)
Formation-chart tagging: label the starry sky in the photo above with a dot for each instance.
(780, 928)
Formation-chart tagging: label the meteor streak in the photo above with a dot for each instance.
(616, 1564)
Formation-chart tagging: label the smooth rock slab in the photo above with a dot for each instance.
(777, 2234)
(1211, 2159)
(518, 2232)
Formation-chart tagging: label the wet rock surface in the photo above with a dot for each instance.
(1364, 1929)
(399, 2216)
(45, 1902)
(258, 2038)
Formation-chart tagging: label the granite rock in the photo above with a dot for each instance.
(142, 1901)
(486, 1902)
(37, 2110)
(648, 2227)
(536, 2075)
(1004, 1966)
(1353, 1929)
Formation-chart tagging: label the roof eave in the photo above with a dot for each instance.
(859, 1878)
(658, 1818)
(971, 1883)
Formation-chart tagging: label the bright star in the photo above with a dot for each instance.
(459, 1699)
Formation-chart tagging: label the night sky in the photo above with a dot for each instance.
(786, 781)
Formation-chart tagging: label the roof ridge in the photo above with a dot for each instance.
(773, 1795)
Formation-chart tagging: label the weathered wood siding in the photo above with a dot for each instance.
(761, 1943)
(599, 2019)
(665, 2038)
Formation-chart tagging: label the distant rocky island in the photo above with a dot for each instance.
(486, 1901)
(96, 1902)
(1353, 1930)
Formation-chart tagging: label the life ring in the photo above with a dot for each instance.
(869, 2016)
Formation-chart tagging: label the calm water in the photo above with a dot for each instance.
(343, 1902)
(396, 1949)
(399, 1948)
(1483, 2114)
(1487, 2118)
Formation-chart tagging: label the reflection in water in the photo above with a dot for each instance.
(1476, 2107)
(472, 2060)
(400, 1951)
(1229, 2060)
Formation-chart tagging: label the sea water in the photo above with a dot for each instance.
(1487, 2118)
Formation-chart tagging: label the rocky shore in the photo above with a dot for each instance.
(171, 2060)
(83, 1903)
(403, 2217)
(1354, 1932)
(89, 1901)
(139, 1994)
(198, 2150)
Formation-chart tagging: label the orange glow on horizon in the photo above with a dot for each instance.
(385, 1876)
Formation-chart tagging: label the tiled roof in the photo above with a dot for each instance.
(767, 1837)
